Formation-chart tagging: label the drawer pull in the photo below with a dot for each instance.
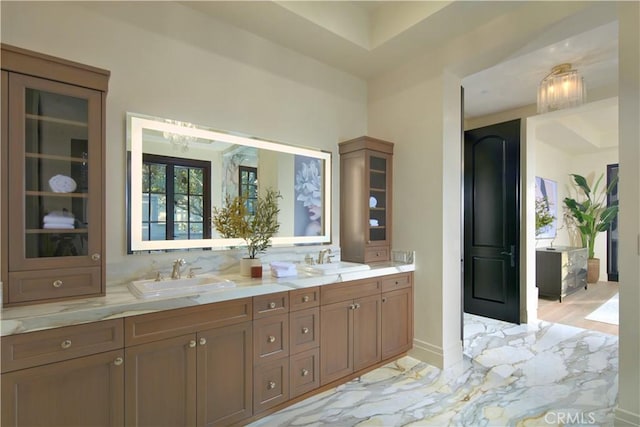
(57, 283)
(272, 305)
(271, 338)
(305, 330)
(95, 257)
(271, 385)
(397, 282)
(304, 372)
(203, 341)
(192, 343)
(118, 361)
(305, 298)
(65, 344)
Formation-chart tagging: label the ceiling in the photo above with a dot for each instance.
(367, 38)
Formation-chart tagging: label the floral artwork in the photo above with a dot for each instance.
(308, 194)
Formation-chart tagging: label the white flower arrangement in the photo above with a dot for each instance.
(308, 184)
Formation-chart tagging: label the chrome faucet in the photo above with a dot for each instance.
(321, 255)
(175, 273)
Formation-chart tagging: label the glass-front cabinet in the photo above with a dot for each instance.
(365, 199)
(53, 208)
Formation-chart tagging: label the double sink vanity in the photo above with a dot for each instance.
(217, 357)
(195, 347)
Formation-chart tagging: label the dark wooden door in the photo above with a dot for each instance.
(87, 391)
(225, 375)
(492, 221)
(160, 385)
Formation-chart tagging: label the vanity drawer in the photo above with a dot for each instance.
(172, 323)
(270, 338)
(54, 345)
(25, 286)
(304, 298)
(267, 305)
(374, 254)
(270, 385)
(397, 281)
(349, 290)
(304, 330)
(304, 372)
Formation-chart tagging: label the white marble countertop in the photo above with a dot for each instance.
(120, 302)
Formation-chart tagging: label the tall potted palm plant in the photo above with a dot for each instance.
(591, 216)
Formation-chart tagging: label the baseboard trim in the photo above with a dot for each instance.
(428, 353)
(626, 419)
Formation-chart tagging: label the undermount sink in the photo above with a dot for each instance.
(187, 286)
(334, 268)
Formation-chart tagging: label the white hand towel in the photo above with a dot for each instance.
(283, 269)
(55, 225)
(48, 219)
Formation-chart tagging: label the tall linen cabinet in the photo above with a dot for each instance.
(366, 166)
(53, 114)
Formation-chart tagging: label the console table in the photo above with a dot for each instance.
(560, 271)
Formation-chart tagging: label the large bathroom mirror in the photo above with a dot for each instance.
(180, 171)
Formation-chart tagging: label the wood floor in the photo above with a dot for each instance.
(574, 308)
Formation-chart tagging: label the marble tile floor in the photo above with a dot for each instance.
(538, 374)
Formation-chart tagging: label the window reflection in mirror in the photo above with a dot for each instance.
(180, 171)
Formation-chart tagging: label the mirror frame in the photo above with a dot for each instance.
(136, 123)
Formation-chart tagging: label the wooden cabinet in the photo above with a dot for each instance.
(397, 316)
(190, 366)
(350, 328)
(365, 199)
(561, 271)
(64, 376)
(270, 351)
(304, 339)
(53, 115)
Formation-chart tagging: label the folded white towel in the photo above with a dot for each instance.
(282, 265)
(283, 269)
(276, 272)
(48, 219)
(60, 214)
(56, 225)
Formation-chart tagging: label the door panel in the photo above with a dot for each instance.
(367, 346)
(492, 221)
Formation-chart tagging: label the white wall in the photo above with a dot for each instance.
(196, 70)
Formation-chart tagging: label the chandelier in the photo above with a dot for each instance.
(562, 88)
(178, 140)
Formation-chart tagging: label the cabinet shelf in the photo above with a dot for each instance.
(56, 120)
(377, 171)
(52, 194)
(55, 157)
(56, 231)
(377, 190)
(378, 209)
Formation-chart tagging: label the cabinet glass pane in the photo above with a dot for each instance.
(378, 187)
(56, 175)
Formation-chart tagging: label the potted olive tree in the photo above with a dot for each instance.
(234, 221)
(591, 216)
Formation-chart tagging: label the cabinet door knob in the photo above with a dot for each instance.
(65, 344)
(304, 372)
(118, 361)
(192, 343)
(305, 330)
(305, 298)
(95, 257)
(352, 307)
(271, 338)
(384, 299)
(203, 341)
(57, 283)
(357, 305)
(272, 305)
(271, 385)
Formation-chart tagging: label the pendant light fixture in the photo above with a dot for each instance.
(562, 88)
